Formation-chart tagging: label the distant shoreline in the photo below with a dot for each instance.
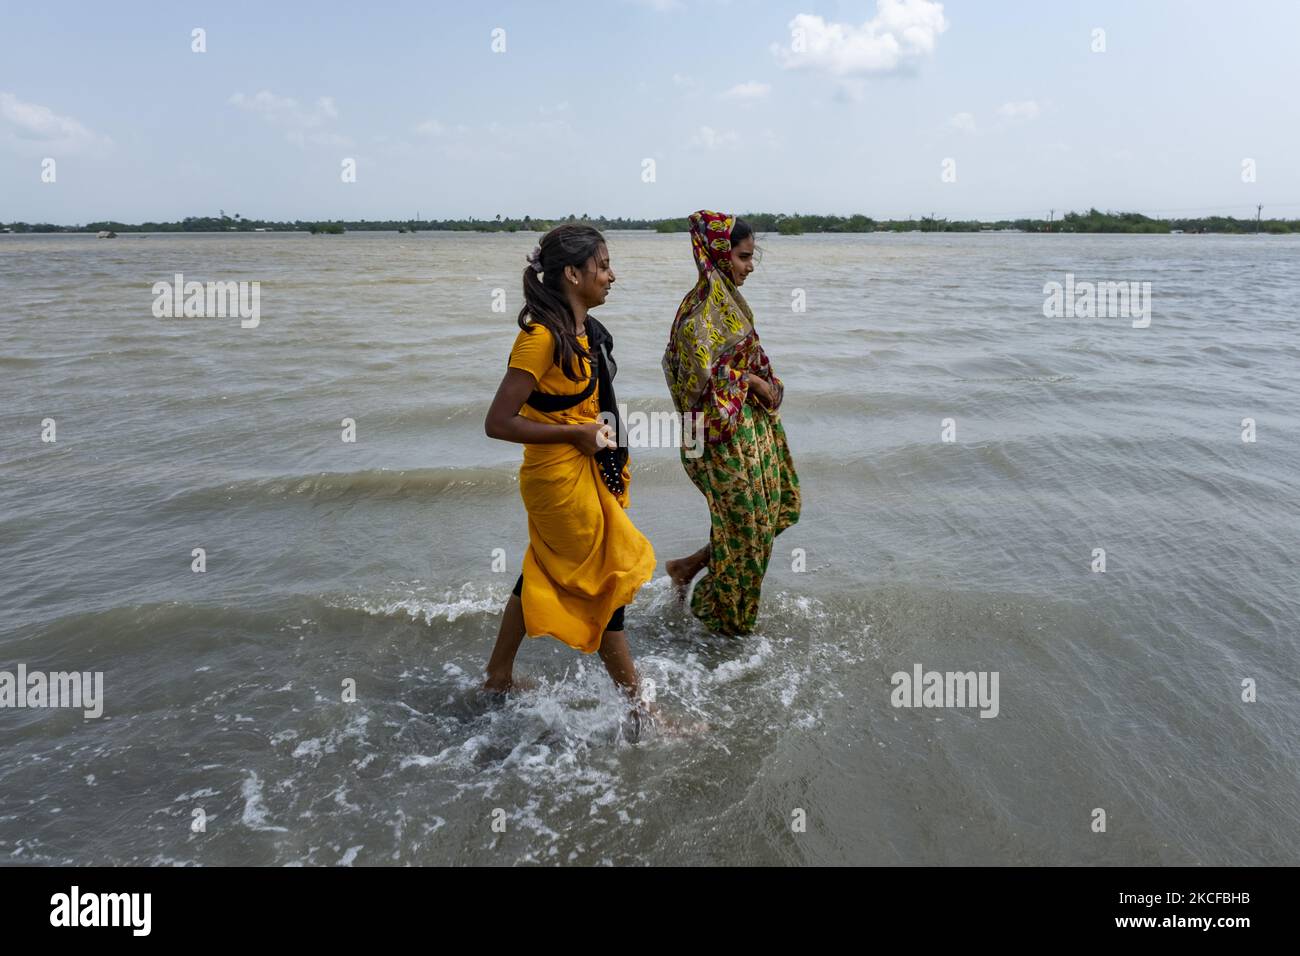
(144, 233)
(1092, 221)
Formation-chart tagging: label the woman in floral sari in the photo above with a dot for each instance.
(716, 369)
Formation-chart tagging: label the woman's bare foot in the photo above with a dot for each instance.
(499, 687)
(639, 719)
(498, 683)
(683, 570)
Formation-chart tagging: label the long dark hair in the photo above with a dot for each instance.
(544, 300)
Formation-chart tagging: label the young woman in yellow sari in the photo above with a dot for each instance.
(717, 369)
(585, 558)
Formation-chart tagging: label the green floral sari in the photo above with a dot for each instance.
(753, 495)
(745, 472)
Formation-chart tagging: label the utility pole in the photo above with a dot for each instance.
(1258, 209)
(1051, 214)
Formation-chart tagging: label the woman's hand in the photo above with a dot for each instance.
(504, 421)
(591, 437)
(759, 388)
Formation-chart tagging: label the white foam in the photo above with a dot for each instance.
(453, 606)
(351, 854)
(255, 815)
(197, 794)
(308, 748)
(729, 671)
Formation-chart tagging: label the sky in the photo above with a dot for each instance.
(648, 108)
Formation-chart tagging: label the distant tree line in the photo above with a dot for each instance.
(786, 225)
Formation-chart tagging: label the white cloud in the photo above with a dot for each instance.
(681, 81)
(901, 30)
(709, 138)
(429, 127)
(747, 91)
(32, 126)
(302, 125)
(1023, 110)
(963, 121)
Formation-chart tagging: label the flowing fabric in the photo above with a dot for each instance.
(745, 473)
(713, 342)
(753, 495)
(585, 557)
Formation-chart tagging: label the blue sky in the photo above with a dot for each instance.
(860, 119)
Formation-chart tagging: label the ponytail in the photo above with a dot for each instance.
(544, 300)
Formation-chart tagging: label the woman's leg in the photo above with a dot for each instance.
(618, 662)
(682, 570)
(617, 657)
(500, 668)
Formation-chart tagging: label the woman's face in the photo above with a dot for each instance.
(594, 280)
(742, 260)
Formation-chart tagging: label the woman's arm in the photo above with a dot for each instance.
(504, 421)
(759, 387)
(763, 381)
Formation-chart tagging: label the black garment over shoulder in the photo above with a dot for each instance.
(609, 461)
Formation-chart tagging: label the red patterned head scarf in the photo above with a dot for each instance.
(711, 241)
(714, 317)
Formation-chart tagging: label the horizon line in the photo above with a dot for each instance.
(499, 219)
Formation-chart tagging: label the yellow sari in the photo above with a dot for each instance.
(585, 557)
